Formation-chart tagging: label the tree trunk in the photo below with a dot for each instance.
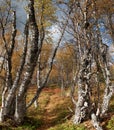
(3, 105)
(8, 80)
(95, 122)
(109, 90)
(20, 110)
(31, 62)
(83, 89)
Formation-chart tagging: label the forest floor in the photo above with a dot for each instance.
(54, 108)
(55, 112)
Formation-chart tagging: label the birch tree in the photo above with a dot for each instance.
(15, 89)
(12, 86)
(85, 29)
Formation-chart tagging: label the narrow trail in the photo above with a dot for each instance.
(49, 114)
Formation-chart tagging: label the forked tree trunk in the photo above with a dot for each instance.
(8, 103)
(31, 63)
(83, 89)
(8, 62)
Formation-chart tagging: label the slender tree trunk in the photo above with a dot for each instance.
(62, 87)
(111, 27)
(109, 90)
(62, 82)
(3, 105)
(38, 79)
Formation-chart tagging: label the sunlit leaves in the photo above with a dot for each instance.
(45, 11)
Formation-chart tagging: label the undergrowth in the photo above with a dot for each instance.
(110, 124)
(68, 126)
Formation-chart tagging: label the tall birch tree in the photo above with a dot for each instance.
(15, 89)
(84, 28)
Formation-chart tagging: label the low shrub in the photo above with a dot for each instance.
(68, 126)
(110, 124)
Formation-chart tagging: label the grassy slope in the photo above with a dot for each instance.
(54, 113)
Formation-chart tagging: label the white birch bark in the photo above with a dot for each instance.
(11, 94)
(38, 79)
(109, 89)
(9, 102)
(9, 53)
(3, 105)
(83, 89)
(95, 123)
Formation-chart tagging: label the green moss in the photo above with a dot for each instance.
(68, 126)
(110, 124)
(29, 124)
(4, 128)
